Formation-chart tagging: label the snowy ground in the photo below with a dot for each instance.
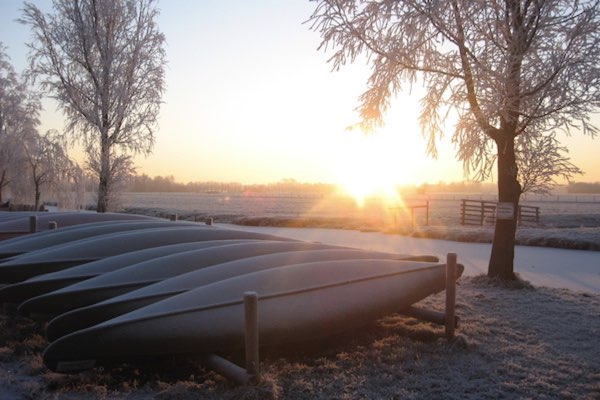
(542, 266)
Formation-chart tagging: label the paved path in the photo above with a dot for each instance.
(542, 266)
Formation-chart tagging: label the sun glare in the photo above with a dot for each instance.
(374, 165)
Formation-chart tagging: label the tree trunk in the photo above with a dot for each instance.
(37, 197)
(509, 191)
(104, 185)
(2, 183)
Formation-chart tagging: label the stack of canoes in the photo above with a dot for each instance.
(119, 288)
(18, 223)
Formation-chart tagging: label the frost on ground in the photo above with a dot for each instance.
(512, 343)
(583, 238)
(562, 225)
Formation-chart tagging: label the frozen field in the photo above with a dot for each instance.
(566, 221)
(442, 208)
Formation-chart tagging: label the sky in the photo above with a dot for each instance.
(250, 99)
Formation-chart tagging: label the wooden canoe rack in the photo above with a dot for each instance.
(251, 374)
(231, 371)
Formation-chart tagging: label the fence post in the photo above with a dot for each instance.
(482, 214)
(251, 336)
(450, 295)
(33, 224)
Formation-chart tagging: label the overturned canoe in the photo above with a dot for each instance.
(67, 255)
(8, 215)
(148, 272)
(296, 303)
(62, 219)
(42, 240)
(45, 283)
(84, 317)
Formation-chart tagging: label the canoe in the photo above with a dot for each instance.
(45, 239)
(23, 216)
(68, 255)
(66, 219)
(296, 303)
(84, 317)
(8, 215)
(45, 283)
(49, 232)
(148, 272)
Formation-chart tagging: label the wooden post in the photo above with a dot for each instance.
(435, 317)
(450, 294)
(252, 340)
(209, 221)
(52, 225)
(482, 214)
(230, 370)
(225, 368)
(33, 224)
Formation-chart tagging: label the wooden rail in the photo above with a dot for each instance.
(528, 214)
(476, 212)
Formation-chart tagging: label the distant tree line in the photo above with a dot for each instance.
(583, 187)
(286, 187)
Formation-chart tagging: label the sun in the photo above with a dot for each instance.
(374, 165)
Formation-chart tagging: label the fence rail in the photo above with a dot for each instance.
(475, 212)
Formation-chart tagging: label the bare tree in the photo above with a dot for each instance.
(19, 110)
(507, 70)
(541, 159)
(104, 63)
(122, 172)
(48, 161)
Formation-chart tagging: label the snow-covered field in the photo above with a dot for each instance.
(444, 209)
(566, 221)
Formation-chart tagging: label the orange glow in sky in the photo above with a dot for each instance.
(250, 99)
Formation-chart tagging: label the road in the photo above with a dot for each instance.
(577, 270)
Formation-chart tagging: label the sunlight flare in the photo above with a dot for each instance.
(375, 165)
